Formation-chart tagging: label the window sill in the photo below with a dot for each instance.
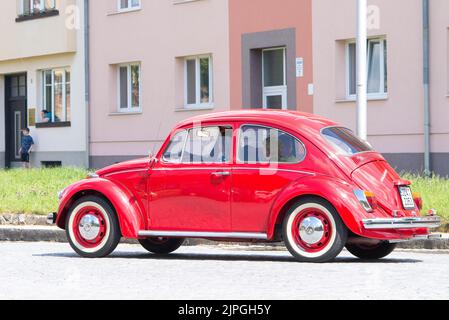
(373, 98)
(195, 108)
(184, 1)
(38, 15)
(63, 124)
(121, 11)
(130, 113)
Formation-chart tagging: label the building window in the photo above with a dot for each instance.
(56, 106)
(377, 84)
(124, 5)
(129, 88)
(30, 7)
(274, 79)
(198, 82)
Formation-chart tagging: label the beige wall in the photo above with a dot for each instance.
(396, 122)
(156, 36)
(36, 45)
(34, 37)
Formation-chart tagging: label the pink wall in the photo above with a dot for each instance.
(264, 15)
(395, 121)
(158, 36)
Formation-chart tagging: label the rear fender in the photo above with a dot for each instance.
(337, 192)
(129, 212)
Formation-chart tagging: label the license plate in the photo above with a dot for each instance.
(407, 197)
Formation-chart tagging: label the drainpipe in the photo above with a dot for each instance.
(426, 46)
(87, 79)
(362, 104)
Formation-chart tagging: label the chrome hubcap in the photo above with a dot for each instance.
(89, 227)
(311, 230)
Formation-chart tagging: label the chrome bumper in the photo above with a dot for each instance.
(51, 218)
(402, 223)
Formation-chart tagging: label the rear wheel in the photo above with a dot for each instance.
(371, 252)
(161, 245)
(92, 227)
(313, 231)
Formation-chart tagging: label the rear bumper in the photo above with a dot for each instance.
(402, 223)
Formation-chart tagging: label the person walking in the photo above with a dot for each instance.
(26, 148)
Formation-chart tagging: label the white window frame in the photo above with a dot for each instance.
(130, 108)
(374, 95)
(129, 8)
(42, 5)
(198, 104)
(274, 90)
(64, 90)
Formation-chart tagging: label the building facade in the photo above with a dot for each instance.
(170, 60)
(42, 65)
(271, 59)
(153, 63)
(395, 76)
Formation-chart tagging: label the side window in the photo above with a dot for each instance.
(173, 153)
(267, 145)
(208, 145)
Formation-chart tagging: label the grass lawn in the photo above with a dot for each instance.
(434, 191)
(34, 191)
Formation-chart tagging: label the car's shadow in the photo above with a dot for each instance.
(223, 257)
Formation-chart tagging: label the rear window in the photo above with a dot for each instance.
(345, 141)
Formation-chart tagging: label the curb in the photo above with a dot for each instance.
(54, 234)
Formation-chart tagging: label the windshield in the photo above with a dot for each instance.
(345, 141)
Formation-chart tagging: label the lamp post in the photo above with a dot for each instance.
(362, 108)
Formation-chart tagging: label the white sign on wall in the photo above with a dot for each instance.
(299, 67)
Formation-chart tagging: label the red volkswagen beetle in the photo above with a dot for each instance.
(257, 176)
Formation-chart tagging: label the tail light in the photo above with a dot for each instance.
(367, 199)
(418, 200)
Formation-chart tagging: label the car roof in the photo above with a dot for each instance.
(290, 119)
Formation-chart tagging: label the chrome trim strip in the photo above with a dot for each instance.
(194, 234)
(275, 169)
(126, 171)
(402, 223)
(235, 168)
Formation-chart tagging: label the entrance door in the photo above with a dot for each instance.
(15, 115)
(274, 79)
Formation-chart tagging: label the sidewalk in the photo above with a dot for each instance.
(54, 234)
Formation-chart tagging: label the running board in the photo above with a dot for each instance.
(193, 234)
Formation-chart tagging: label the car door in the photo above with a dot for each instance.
(267, 161)
(190, 186)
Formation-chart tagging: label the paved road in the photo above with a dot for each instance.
(49, 271)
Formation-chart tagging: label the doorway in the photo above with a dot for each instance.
(274, 78)
(15, 115)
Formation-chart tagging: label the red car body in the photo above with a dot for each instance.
(249, 201)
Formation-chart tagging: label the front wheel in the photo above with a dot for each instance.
(313, 231)
(161, 245)
(92, 227)
(371, 252)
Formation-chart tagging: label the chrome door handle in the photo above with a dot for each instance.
(221, 174)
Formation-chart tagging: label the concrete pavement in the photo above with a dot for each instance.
(54, 271)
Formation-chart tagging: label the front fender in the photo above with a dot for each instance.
(129, 213)
(338, 192)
